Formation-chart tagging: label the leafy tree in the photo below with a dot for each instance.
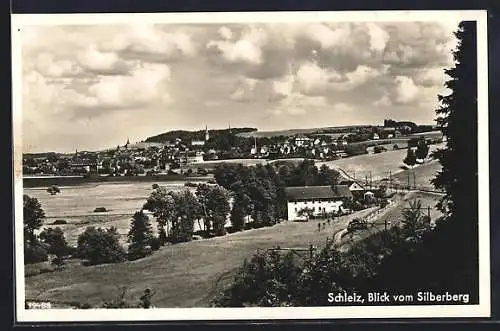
(33, 216)
(187, 210)
(266, 280)
(410, 158)
(162, 204)
(215, 202)
(54, 238)
(100, 246)
(53, 190)
(139, 236)
(327, 176)
(226, 174)
(242, 206)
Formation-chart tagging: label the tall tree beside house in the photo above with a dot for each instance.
(162, 204)
(422, 149)
(327, 176)
(410, 158)
(139, 236)
(187, 211)
(214, 202)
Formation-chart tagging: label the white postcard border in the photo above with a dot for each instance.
(186, 314)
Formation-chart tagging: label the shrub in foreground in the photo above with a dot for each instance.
(100, 246)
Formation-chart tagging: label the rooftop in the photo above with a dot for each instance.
(317, 192)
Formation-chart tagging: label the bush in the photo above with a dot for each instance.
(59, 222)
(100, 246)
(35, 253)
(100, 210)
(136, 252)
(155, 186)
(155, 244)
(53, 190)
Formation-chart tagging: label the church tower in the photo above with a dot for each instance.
(207, 136)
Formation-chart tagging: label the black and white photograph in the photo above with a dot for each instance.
(237, 166)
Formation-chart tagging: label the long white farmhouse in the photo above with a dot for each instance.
(319, 199)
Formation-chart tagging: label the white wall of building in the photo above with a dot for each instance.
(319, 207)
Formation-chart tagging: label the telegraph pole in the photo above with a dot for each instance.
(414, 182)
(408, 180)
(370, 179)
(390, 179)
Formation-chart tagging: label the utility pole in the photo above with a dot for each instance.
(366, 180)
(370, 179)
(390, 179)
(354, 174)
(414, 181)
(408, 180)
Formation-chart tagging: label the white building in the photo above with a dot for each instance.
(197, 143)
(302, 141)
(319, 199)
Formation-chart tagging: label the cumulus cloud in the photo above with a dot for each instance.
(225, 32)
(245, 90)
(267, 75)
(378, 37)
(105, 63)
(314, 79)
(384, 101)
(144, 85)
(151, 43)
(406, 90)
(247, 49)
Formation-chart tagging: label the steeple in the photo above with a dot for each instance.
(207, 136)
(128, 142)
(229, 128)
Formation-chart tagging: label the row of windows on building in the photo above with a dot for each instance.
(313, 201)
(315, 209)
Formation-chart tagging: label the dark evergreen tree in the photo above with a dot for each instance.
(410, 158)
(33, 216)
(139, 236)
(457, 118)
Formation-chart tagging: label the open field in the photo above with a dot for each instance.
(422, 175)
(75, 204)
(378, 164)
(183, 275)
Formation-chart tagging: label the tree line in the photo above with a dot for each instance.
(247, 196)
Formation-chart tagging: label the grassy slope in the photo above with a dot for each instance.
(184, 275)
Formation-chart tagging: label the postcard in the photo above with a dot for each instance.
(251, 166)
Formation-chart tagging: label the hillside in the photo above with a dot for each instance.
(194, 135)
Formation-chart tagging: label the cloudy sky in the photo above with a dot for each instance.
(91, 87)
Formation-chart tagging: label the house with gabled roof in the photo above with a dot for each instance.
(320, 199)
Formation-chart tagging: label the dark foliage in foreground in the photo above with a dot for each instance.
(100, 246)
